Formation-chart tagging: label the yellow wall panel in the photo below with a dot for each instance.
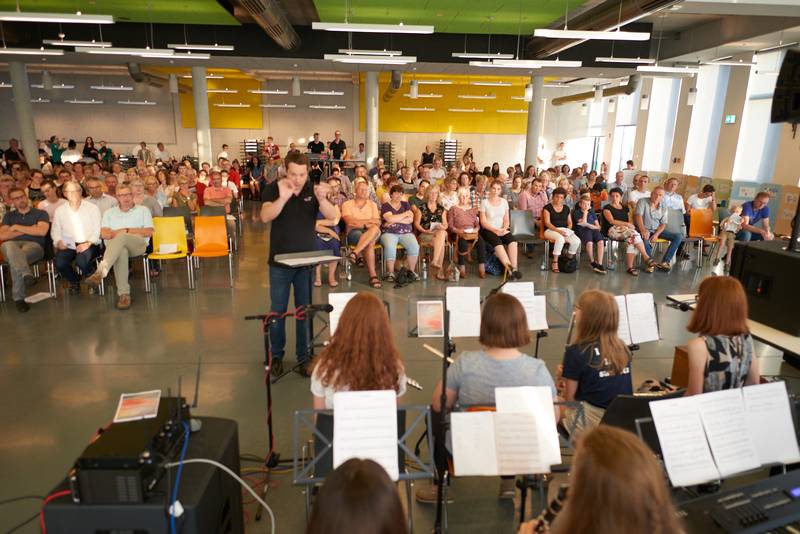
(226, 117)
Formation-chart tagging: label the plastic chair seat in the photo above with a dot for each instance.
(171, 231)
(211, 251)
(173, 256)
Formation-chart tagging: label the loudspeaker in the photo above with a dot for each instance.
(786, 100)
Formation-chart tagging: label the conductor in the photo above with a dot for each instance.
(291, 204)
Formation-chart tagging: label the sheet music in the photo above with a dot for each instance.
(537, 400)
(623, 330)
(313, 260)
(722, 413)
(338, 301)
(365, 426)
(535, 306)
(474, 449)
(769, 419)
(464, 305)
(642, 317)
(517, 443)
(683, 441)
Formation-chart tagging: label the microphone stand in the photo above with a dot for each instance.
(441, 431)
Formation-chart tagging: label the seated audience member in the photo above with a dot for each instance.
(587, 228)
(598, 196)
(110, 184)
(363, 221)
(651, 221)
(430, 222)
(616, 226)
(702, 200)
(216, 194)
(418, 199)
(141, 198)
(358, 498)
(6, 185)
(722, 357)
(558, 227)
(496, 229)
(96, 196)
(345, 185)
(406, 179)
(328, 239)
(617, 485)
(386, 183)
(184, 196)
(619, 183)
(597, 364)
(449, 196)
(126, 230)
(362, 354)
(729, 227)
(464, 223)
(672, 199)
(153, 190)
(23, 234)
(473, 377)
(51, 200)
(480, 191)
(398, 219)
(76, 236)
(437, 172)
(639, 190)
(337, 196)
(35, 187)
(534, 199)
(514, 192)
(755, 219)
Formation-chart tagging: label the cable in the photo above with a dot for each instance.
(174, 498)
(20, 525)
(234, 475)
(23, 498)
(52, 497)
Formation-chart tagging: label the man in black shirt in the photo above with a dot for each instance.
(316, 146)
(14, 152)
(338, 146)
(23, 233)
(291, 204)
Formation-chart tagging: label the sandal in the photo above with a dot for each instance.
(374, 282)
(351, 257)
(440, 273)
(651, 266)
(554, 267)
(633, 271)
(333, 283)
(317, 283)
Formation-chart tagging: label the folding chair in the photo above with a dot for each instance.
(211, 240)
(181, 211)
(171, 231)
(230, 221)
(523, 229)
(701, 230)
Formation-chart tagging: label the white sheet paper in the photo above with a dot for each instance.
(536, 400)
(338, 301)
(167, 248)
(642, 317)
(623, 330)
(535, 306)
(474, 451)
(769, 420)
(300, 262)
(464, 305)
(38, 297)
(516, 438)
(722, 413)
(365, 426)
(683, 441)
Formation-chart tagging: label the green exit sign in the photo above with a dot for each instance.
(730, 119)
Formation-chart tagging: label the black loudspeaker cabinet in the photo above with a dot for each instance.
(771, 278)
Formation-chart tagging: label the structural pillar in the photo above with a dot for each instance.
(202, 123)
(22, 105)
(535, 120)
(371, 117)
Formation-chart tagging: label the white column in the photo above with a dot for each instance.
(535, 120)
(202, 123)
(22, 105)
(371, 116)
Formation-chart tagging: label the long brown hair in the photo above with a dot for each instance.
(504, 324)
(358, 498)
(598, 324)
(362, 354)
(721, 308)
(617, 486)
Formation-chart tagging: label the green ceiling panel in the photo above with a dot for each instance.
(157, 11)
(452, 16)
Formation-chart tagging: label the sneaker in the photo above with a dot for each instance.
(598, 268)
(428, 494)
(29, 280)
(277, 367)
(124, 302)
(414, 276)
(22, 306)
(716, 262)
(389, 277)
(306, 369)
(663, 266)
(507, 488)
(96, 279)
(516, 274)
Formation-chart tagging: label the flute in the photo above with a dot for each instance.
(549, 514)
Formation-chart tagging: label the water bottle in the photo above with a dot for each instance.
(348, 270)
(456, 274)
(424, 268)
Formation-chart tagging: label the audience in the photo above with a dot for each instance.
(729, 227)
(639, 190)
(754, 212)
(587, 228)
(363, 221)
(496, 229)
(558, 227)
(328, 239)
(464, 225)
(616, 227)
(430, 222)
(51, 200)
(76, 236)
(515, 191)
(217, 194)
(398, 219)
(651, 221)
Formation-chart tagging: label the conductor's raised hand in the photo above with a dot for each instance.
(285, 189)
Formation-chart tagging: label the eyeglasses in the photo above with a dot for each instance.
(18, 197)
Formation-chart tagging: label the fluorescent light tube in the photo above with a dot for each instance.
(76, 101)
(478, 97)
(322, 106)
(778, 47)
(435, 82)
(40, 100)
(214, 46)
(112, 87)
(286, 106)
(67, 18)
(512, 110)
(323, 93)
(187, 55)
(223, 91)
(644, 60)
(668, 70)
(533, 63)
(113, 51)
(65, 42)
(239, 105)
(615, 35)
(136, 102)
(517, 98)
(357, 52)
(31, 51)
(492, 84)
(59, 86)
(478, 55)
(370, 60)
(730, 63)
(208, 76)
(268, 91)
(423, 95)
(417, 109)
(370, 28)
(462, 110)
(5, 85)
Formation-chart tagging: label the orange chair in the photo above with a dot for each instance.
(169, 232)
(211, 241)
(701, 229)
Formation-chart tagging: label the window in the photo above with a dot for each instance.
(661, 124)
(701, 146)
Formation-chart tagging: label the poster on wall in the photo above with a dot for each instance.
(774, 191)
(689, 185)
(722, 188)
(786, 208)
(742, 192)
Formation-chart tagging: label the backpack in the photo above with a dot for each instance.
(493, 265)
(567, 264)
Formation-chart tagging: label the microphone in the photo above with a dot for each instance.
(316, 308)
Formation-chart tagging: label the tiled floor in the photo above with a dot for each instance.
(64, 365)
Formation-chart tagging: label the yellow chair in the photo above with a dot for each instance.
(211, 241)
(171, 232)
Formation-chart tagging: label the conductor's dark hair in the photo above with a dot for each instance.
(297, 158)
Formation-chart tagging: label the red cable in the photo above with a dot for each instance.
(56, 495)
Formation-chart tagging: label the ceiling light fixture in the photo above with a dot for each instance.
(143, 52)
(112, 87)
(779, 46)
(65, 42)
(370, 28)
(323, 93)
(435, 82)
(512, 111)
(667, 70)
(5, 85)
(423, 95)
(187, 55)
(66, 18)
(357, 52)
(76, 101)
(285, 106)
(478, 97)
(740, 63)
(533, 63)
(492, 84)
(136, 102)
(644, 60)
(59, 86)
(268, 91)
(370, 60)
(239, 105)
(225, 91)
(616, 35)
(40, 100)
(31, 51)
(321, 106)
(186, 46)
(208, 76)
(462, 110)
(417, 109)
(479, 55)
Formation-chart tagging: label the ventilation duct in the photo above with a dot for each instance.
(394, 85)
(153, 80)
(627, 89)
(269, 14)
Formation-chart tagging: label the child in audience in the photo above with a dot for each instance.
(597, 366)
(472, 378)
(618, 486)
(587, 228)
(358, 498)
(729, 228)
